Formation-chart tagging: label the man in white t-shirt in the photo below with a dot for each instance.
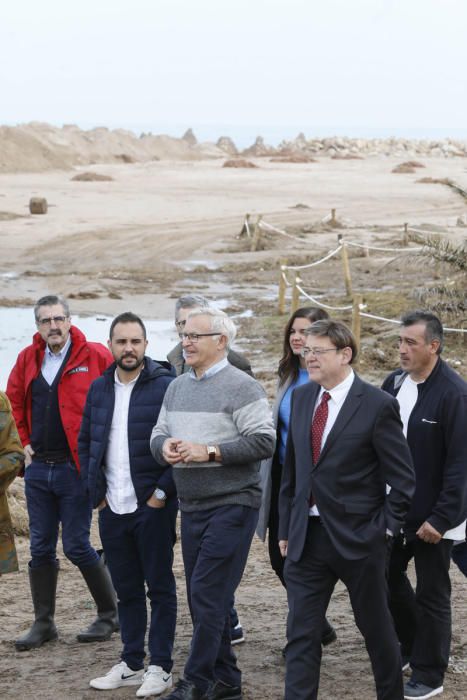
(433, 407)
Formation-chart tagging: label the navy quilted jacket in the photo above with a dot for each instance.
(145, 403)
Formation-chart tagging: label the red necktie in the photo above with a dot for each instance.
(317, 429)
(318, 425)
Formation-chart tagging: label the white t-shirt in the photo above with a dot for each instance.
(407, 398)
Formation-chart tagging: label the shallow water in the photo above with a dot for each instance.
(17, 328)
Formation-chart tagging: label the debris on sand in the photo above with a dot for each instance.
(294, 158)
(91, 177)
(239, 163)
(403, 168)
(38, 205)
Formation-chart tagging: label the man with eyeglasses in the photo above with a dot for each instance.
(47, 388)
(183, 307)
(214, 427)
(336, 519)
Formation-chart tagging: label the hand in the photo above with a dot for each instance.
(283, 547)
(192, 452)
(427, 533)
(170, 450)
(103, 504)
(154, 502)
(28, 453)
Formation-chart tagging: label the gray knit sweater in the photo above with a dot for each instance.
(228, 409)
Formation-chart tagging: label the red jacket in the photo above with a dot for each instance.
(87, 361)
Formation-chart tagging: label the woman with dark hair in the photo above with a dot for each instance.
(292, 373)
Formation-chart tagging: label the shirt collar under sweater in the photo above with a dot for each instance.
(211, 371)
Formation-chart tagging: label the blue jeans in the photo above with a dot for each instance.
(55, 494)
(215, 546)
(139, 549)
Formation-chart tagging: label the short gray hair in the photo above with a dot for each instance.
(220, 323)
(51, 300)
(190, 301)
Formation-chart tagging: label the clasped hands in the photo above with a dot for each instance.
(175, 450)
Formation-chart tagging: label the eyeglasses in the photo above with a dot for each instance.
(194, 337)
(304, 352)
(58, 320)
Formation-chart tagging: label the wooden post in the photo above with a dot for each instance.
(356, 323)
(295, 295)
(345, 265)
(282, 288)
(256, 235)
(245, 228)
(405, 238)
(333, 217)
(366, 252)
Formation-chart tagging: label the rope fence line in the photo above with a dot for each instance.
(357, 307)
(365, 246)
(316, 262)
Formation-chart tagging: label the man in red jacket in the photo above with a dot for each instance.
(47, 388)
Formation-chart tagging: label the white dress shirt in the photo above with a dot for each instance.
(53, 361)
(121, 495)
(338, 395)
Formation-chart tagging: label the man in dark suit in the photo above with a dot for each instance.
(336, 519)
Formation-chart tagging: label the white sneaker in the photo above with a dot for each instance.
(119, 676)
(155, 681)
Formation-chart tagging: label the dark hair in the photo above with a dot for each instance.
(338, 333)
(127, 317)
(51, 300)
(190, 301)
(433, 326)
(289, 364)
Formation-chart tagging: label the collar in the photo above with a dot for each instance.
(59, 355)
(117, 380)
(211, 371)
(339, 392)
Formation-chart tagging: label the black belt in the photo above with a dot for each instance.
(52, 457)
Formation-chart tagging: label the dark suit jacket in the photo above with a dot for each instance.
(364, 451)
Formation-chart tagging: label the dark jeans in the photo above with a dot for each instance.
(139, 549)
(422, 617)
(215, 546)
(310, 583)
(55, 494)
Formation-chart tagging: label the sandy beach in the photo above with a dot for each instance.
(162, 228)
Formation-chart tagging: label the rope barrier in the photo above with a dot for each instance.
(265, 225)
(319, 303)
(284, 277)
(316, 262)
(386, 250)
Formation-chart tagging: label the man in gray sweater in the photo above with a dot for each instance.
(214, 427)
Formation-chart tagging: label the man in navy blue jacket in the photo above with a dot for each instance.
(137, 504)
(433, 406)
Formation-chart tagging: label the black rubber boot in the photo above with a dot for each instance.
(100, 586)
(43, 583)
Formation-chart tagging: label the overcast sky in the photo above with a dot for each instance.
(270, 65)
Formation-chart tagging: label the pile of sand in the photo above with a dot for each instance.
(239, 163)
(91, 177)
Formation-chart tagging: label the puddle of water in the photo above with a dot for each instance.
(17, 328)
